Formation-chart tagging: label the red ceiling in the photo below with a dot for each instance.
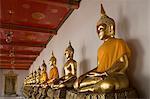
(32, 23)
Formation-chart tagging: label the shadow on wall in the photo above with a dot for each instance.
(83, 65)
(136, 61)
(136, 66)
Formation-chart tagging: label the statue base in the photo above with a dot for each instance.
(27, 91)
(120, 94)
(60, 93)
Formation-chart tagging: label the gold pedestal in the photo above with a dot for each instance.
(121, 94)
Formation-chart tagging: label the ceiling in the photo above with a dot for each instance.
(26, 26)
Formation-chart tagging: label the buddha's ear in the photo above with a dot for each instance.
(112, 30)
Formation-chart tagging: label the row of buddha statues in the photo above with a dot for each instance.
(40, 77)
(109, 75)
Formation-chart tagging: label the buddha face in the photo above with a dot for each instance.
(44, 68)
(101, 29)
(105, 31)
(52, 62)
(39, 71)
(67, 54)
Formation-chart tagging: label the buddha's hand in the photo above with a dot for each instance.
(61, 81)
(104, 74)
(76, 85)
(93, 74)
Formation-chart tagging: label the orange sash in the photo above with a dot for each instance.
(53, 73)
(110, 51)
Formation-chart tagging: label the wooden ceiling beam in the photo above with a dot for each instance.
(6, 55)
(17, 55)
(8, 60)
(15, 65)
(16, 62)
(21, 43)
(9, 66)
(27, 28)
(16, 68)
(17, 58)
(21, 52)
(69, 4)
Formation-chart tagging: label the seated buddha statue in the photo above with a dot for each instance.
(30, 78)
(113, 56)
(38, 74)
(53, 73)
(70, 69)
(43, 77)
(34, 77)
(25, 81)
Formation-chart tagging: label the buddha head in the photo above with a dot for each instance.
(34, 74)
(39, 70)
(69, 51)
(31, 78)
(31, 75)
(44, 66)
(52, 60)
(105, 26)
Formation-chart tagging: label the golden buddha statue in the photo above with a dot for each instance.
(25, 81)
(113, 55)
(53, 73)
(34, 77)
(35, 92)
(70, 69)
(30, 78)
(43, 77)
(38, 75)
(39, 93)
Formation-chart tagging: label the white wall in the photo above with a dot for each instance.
(132, 22)
(21, 74)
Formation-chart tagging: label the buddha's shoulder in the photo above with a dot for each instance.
(54, 67)
(71, 61)
(74, 60)
(119, 40)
